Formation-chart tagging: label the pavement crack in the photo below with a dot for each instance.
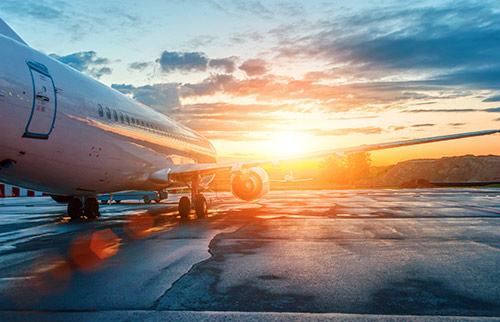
(211, 245)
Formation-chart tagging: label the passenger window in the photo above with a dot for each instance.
(142, 123)
(115, 115)
(108, 113)
(121, 118)
(133, 121)
(99, 108)
(128, 119)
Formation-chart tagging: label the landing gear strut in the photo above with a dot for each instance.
(199, 201)
(76, 208)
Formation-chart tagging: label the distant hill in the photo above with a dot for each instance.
(467, 168)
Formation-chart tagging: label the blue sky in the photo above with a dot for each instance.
(326, 73)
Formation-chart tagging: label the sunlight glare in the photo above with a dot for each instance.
(286, 144)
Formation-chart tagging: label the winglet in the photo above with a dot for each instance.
(8, 32)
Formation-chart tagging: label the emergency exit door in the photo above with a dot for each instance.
(43, 113)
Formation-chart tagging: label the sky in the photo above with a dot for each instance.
(268, 78)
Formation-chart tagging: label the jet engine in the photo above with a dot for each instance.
(250, 185)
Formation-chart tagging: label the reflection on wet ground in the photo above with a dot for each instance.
(422, 251)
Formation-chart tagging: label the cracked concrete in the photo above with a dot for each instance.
(420, 252)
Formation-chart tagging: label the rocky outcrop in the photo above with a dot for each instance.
(467, 168)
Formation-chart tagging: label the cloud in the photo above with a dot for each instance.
(435, 45)
(425, 37)
(260, 9)
(346, 131)
(495, 98)
(254, 67)
(455, 110)
(171, 61)
(32, 9)
(233, 122)
(209, 86)
(182, 61)
(241, 38)
(226, 64)
(140, 66)
(424, 125)
(397, 127)
(87, 62)
(162, 97)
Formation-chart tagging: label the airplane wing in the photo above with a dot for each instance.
(188, 170)
(291, 181)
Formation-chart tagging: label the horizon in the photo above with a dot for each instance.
(262, 79)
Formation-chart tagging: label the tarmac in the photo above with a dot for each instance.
(420, 254)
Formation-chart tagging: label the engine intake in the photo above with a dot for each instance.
(251, 185)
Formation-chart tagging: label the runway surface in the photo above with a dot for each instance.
(340, 254)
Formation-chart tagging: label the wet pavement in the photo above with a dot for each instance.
(340, 254)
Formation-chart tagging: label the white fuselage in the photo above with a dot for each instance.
(80, 137)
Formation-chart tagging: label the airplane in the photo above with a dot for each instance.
(75, 138)
(289, 178)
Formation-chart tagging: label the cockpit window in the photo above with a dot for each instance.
(108, 113)
(115, 116)
(99, 108)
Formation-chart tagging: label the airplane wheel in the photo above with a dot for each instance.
(200, 206)
(184, 207)
(75, 208)
(91, 208)
(146, 199)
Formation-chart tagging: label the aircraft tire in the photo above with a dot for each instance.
(91, 208)
(146, 199)
(184, 207)
(200, 206)
(75, 206)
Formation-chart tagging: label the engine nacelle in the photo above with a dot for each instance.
(251, 185)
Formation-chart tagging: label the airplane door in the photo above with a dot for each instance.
(43, 112)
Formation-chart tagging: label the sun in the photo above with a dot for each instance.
(286, 144)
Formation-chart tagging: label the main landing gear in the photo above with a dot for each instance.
(89, 209)
(199, 202)
(200, 206)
